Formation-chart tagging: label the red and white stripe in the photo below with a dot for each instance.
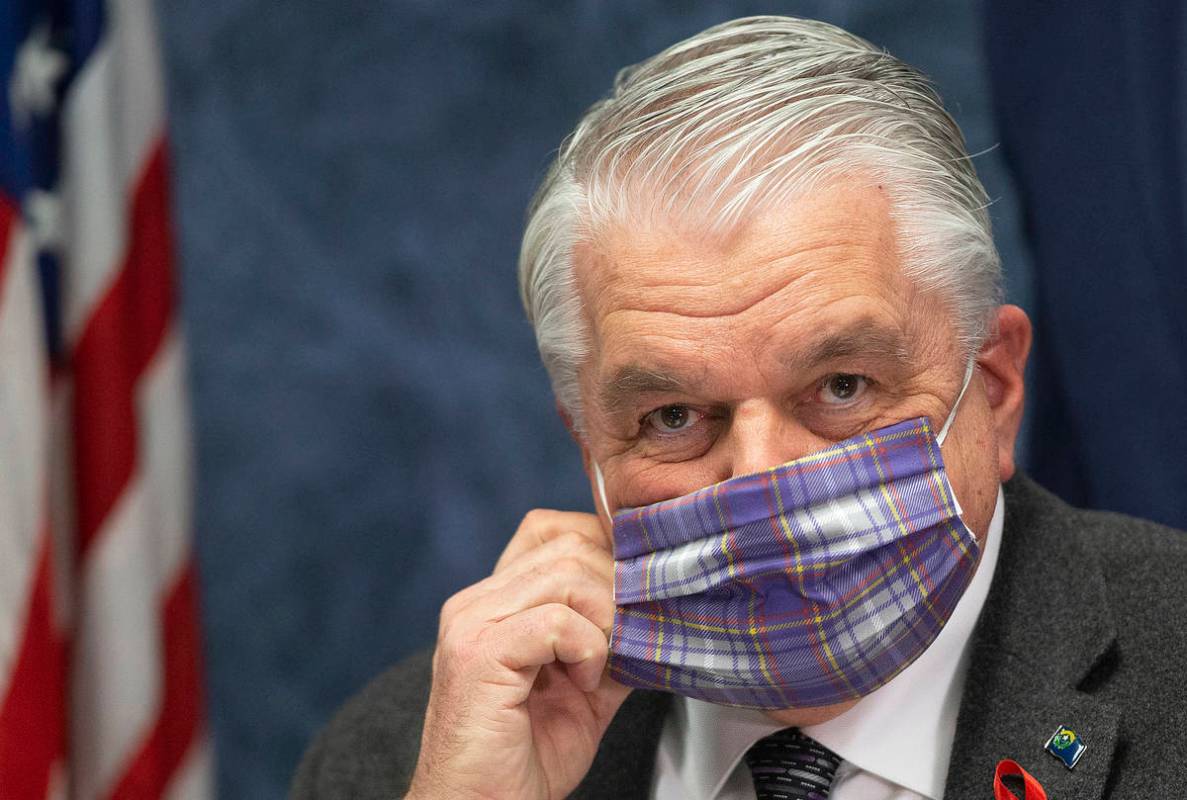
(32, 638)
(135, 692)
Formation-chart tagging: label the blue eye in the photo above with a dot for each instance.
(672, 419)
(842, 388)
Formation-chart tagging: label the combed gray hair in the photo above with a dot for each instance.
(754, 112)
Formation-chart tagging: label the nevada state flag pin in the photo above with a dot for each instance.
(1066, 745)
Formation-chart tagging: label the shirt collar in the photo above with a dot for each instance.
(910, 749)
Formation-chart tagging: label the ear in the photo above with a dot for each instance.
(1003, 366)
(567, 418)
(587, 462)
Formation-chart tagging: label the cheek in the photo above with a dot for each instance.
(973, 472)
(643, 485)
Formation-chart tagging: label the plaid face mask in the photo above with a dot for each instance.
(809, 584)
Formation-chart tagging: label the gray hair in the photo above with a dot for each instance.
(751, 112)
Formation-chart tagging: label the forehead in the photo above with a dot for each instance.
(840, 238)
(670, 292)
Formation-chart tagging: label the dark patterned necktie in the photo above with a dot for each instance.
(788, 765)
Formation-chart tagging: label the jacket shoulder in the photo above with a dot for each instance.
(1122, 540)
(369, 749)
(1143, 564)
(1126, 546)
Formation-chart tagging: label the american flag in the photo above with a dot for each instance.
(100, 685)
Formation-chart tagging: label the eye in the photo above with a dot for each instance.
(672, 419)
(842, 388)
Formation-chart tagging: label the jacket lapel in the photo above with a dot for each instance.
(1043, 638)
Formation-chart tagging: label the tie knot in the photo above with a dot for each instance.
(787, 765)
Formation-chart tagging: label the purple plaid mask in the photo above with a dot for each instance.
(809, 584)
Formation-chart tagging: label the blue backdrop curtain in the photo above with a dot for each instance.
(1091, 100)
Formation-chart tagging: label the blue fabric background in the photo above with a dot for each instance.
(371, 418)
(1097, 136)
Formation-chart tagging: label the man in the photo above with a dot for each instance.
(763, 283)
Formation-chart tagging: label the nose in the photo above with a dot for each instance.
(762, 435)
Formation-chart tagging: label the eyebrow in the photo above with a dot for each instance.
(633, 381)
(862, 338)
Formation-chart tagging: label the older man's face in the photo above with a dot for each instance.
(719, 357)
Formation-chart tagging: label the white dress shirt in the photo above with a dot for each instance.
(895, 744)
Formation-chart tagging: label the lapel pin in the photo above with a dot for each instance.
(1066, 745)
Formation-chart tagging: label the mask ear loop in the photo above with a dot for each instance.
(968, 376)
(602, 490)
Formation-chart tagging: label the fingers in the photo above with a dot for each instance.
(569, 569)
(547, 633)
(551, 602)
(609, 696)
(573, 581)
(541, 526)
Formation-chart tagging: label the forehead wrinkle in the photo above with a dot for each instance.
(681, 284)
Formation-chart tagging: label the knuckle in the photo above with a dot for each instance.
(556, 617)
(453, 607)
(573, 540)
(483, 650)
(446, 630)
(449, 626)
(570, 567)
(537, 518)
(458, 651)
(450, 608)
(447, 641)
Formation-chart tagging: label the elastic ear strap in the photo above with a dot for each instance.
(602, 490)
(968, 376)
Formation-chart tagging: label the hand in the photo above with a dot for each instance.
(519, 699)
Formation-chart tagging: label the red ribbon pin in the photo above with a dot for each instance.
(1032, 789)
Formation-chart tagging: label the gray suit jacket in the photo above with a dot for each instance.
(1084, 626)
